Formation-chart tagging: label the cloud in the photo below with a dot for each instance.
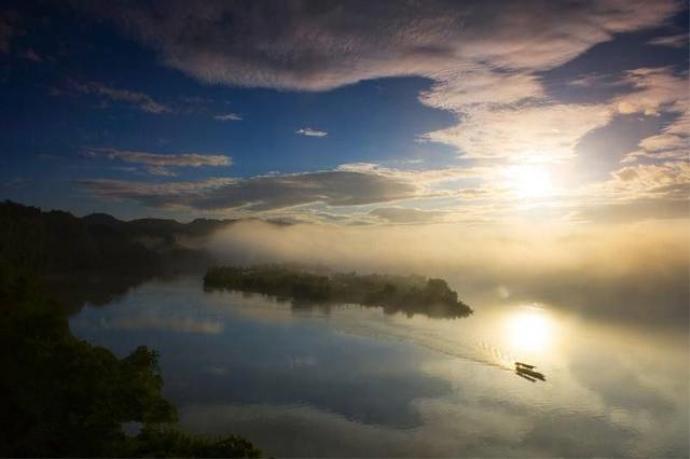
(462, 90)
(406, 215)
(674, 41)
(483, 57)
(140, 100)
(670, 180)
(323, 45)
(485, 61)
(655, 90)
(262, 193)
(309, 132)
(161, 171)
(673, 142)
(537, 133)
(659, 90)
(420, 176)
(157, 163)
(228, 117)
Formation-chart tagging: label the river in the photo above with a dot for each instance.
(353, 381)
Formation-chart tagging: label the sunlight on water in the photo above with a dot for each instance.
(392, 385)
(530, 329)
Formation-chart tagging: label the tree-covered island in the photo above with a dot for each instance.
(408, 294)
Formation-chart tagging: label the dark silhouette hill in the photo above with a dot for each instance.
(57, 242)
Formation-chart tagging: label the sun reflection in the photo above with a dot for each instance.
(530, 330)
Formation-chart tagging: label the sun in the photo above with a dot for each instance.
(530, 181)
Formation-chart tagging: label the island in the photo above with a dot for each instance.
(411, 294)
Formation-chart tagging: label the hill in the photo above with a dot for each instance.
(58, 242)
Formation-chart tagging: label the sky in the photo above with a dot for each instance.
(348, 113)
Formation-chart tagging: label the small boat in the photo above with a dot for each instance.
(528, 372)
(524, 365)
(528, 378)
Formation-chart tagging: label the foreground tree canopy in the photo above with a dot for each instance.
(408, 294)
(61, 396)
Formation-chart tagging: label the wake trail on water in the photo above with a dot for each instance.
(477, 351)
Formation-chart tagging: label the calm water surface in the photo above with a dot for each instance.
(352, 381)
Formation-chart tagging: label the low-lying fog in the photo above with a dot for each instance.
(637, 272)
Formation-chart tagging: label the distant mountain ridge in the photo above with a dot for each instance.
(57, 241)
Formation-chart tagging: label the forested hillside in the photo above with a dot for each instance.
(58, 242)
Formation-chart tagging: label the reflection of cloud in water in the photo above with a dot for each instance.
(175, 324)
(612, 399)
(357, 382)
(304, 431)
(371, 323)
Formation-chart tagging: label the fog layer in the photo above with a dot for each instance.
(629, 272)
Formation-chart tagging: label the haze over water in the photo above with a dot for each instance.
(353, 381)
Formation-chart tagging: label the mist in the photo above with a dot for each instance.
(635, 272)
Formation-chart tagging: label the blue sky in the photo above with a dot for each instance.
(445, 112)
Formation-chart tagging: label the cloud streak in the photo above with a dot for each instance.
(228, 117)
(309, 132)
(262, 193)
(142, 101)
(160, 164)
(406, 215)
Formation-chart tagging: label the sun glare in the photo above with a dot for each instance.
(530, 181)
(530, 329)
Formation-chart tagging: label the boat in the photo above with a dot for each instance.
(520, 364)
(528, 372)
(528, 378)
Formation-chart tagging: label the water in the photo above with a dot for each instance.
(352, 381)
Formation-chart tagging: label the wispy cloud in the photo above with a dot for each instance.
(261, 193)
(537, 133)
(670, 180)
(138, 99)
(228, 117)
(160, 171)
(659, 90)
(655, 90)
(406, 215)
(673, 142)
(158, 163)
(675, 41)
(309, 132)
(160, 159)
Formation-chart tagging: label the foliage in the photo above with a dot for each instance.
(409, 294)
(56, 241)
(156, 441)
(61, 396)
